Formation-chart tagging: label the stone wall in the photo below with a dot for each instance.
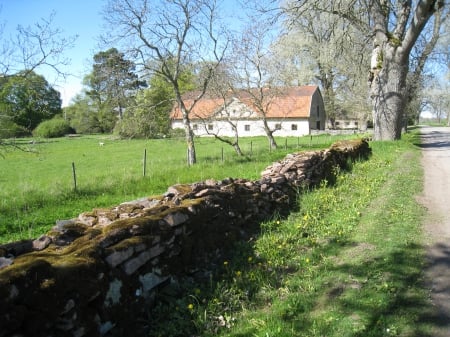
(95, 274)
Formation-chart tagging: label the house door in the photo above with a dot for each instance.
(318, 125)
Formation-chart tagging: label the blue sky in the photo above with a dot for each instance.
(73, 17)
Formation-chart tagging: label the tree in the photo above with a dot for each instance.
(439, 101)
(149, 116)
(252, 61)
(33, 47)
(166, 37)
(83, 116)
(394, 28)
(113, 80)
(221, 87)
(29, 99)
(324, 49)
(112, 85)
(427, 46)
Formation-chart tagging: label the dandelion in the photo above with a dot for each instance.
(307, 260)
(278, 222)
(225, 263)
(190, 306)
(305, 217)
(250, 259)
(238, 273)
(197, 291)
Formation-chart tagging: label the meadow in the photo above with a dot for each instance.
(37, 185)
(348, 262)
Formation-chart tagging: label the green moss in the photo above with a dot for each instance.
(134, 241)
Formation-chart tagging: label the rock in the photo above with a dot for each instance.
(5, 262)
(42, 242)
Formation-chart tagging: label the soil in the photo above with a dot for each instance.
(436, 198)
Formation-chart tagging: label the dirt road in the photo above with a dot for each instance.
(436, 198)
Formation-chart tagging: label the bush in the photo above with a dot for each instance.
(9, 129)
(56, 127)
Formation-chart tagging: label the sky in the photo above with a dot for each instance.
(73, 17)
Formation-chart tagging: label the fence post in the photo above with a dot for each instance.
(285, 143)
(74, 177)
(144, 164)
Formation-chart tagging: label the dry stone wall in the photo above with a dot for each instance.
(95, 275)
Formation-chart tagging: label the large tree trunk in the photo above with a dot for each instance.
(388, 86)
(388, 102)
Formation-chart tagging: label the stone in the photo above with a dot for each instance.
(42, 242)
(114, 294)
(69, 306)
(150, 281)
(134, 264)
(176, 219)
(87, 219)
(118, 257)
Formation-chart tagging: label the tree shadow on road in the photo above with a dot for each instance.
(434, 140)
(437, 269)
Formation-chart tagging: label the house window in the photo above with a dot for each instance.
(278, 126)
(194, 127)
(247, 127)
(210, 127)
(294, 127)
(318, 125)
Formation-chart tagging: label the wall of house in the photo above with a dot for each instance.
(249, 128)
(97, 274)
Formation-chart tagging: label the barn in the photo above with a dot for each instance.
(290, 111)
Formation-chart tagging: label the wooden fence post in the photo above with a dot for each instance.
(74, 177)
(144, 164)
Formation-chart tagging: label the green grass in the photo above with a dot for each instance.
(348, 263)
(37, 187)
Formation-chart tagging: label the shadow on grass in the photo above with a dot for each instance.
(381, 295)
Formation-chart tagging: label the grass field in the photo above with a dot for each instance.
(37, 185)
(349, 262)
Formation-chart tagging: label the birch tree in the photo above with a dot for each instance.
(394, 28)
(167, 36)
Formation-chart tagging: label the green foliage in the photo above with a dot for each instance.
(28, 100)
(149, 116)
(81, 116)
(111, 87)
(56, 127)
(9, 129)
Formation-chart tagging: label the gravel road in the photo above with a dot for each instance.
(436, 198)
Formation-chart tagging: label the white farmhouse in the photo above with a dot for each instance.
(291, 111)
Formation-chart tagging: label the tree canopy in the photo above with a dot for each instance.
(28, 100)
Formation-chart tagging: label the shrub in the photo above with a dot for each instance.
(9, 129)
(56, 127)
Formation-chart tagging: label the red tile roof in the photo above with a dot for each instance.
(289, 102)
